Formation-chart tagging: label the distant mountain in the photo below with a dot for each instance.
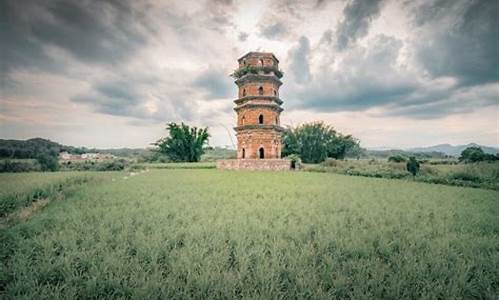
(453, 150)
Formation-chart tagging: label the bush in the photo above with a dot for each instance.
(396, 158)
(48, 162)
(413, 166)
(294, 161)
(110, 165)
(15, 166)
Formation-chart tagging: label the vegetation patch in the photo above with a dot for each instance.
(204, 234)
(23, 190)
(477, 175)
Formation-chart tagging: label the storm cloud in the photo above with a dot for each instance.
(137, 65)
(358, 15)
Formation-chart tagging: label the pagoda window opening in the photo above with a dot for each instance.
(276, 120)
(261, 153)
(243, 153)
(275, 94)
(261, 91)
(262, 62)
(243, 120)
(261, 119)
(244, 92)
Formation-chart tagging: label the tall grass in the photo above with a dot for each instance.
(478, 175)
(210, 234)
(21, 190)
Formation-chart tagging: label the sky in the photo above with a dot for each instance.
(112, 73)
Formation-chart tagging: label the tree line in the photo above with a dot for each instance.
(312, 142)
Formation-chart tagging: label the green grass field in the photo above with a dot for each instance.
(479, 175)
(186, 233)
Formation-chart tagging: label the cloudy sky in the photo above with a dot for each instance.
(112, 73)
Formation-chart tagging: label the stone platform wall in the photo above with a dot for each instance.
(254, 164)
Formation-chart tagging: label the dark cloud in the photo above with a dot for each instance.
(143, 99)
(274, 31)
(327, 37)
(452, 101)
(358, 15)
(92, 31)
(460, 39)
(118, 98)
(17, 49)
(103, 32)
(365, 78)
(215, 83)
(371, 77)
(299, 61)
(243, 36)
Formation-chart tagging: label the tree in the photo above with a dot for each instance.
(183, 143)
(48, 161)
(413, 166)
(316, 141)
(475, 154)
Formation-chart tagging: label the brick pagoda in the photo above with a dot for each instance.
(258, 109)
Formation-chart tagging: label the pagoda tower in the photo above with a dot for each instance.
(258, 106)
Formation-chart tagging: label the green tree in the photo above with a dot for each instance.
(475, 154)
(48, 161)
(413, 166)
(316, 141)
(184, 143)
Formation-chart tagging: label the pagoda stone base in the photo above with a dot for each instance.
(273, 164)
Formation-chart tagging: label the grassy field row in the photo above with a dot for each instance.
(21, 190)
(224, 234)
(179, 165)
(478, 175)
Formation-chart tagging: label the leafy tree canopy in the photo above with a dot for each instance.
(184, 143)
(316, 141)
(475, 154)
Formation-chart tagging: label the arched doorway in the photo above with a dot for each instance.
(261, 153)
(261, 119)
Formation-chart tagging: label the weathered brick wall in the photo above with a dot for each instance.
(254, 164)
(252, 89)
(248, 116)
(253, 140)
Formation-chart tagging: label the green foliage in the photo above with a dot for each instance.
(314, 142)
(107, 165)
(183, 143)
(207, 234)
(238, 73)
(476, 154)
(396, 158)
(295, 161)
(31, 148)
(19, 165)
(48, 161)
(478, 175)
(413, 166)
